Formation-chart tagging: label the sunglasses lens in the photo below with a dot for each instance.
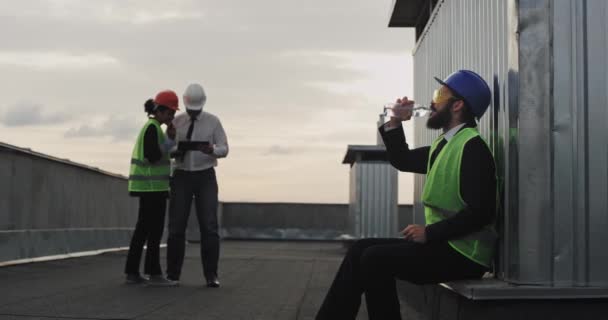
(441, 96)
(436, 95)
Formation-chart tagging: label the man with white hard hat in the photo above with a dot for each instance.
(201, 140)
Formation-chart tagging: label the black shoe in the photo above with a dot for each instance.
(135, 279)
(160, 281)
(213, 282)
(173, 279)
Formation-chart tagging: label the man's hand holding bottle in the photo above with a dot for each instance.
(400, 111)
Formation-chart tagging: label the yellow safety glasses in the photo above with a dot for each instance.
(441, 96)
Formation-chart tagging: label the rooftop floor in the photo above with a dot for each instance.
(260, 280)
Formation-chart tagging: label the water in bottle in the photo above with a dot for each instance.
(396, 110)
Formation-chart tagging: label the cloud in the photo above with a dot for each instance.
(278, 150)
(28, 113)
(109, 11)
(56, 60)
(148, 17)
(115, 127)
(372, 73)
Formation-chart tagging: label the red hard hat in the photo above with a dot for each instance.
(168, 99)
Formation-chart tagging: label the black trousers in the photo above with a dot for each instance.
(202, 186)
(148, 230)
(371, 266)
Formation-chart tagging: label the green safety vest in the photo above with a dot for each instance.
(441, 197)
(145, 176)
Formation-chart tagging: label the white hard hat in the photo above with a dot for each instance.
(195, 97)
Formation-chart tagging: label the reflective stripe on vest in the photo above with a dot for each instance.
(484, 234)
(442, 200)
(145, 176)
(149, 178)
(145, 163)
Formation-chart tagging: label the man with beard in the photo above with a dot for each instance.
(459, 199)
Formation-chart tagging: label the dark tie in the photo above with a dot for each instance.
(437, 150)
(189, 134)
(190, 128)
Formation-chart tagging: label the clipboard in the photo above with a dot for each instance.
(191, 145)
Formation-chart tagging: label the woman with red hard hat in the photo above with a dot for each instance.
(149, 181)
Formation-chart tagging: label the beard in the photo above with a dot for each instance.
(193, 113)
(441, 118)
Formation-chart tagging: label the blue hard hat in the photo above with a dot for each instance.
(472, 88)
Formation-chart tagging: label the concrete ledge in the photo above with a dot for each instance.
(281, 233)
(494, 289)
(26, 244)
(494, 299)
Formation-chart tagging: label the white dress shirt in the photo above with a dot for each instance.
(450, 134)
(207, 127)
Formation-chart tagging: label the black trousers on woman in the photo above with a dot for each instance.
(371, 267)
(148, 230)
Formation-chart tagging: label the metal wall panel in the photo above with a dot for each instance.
(532, 257)
(373, 201)
(580, 158)
(595, 154)
(546, 63)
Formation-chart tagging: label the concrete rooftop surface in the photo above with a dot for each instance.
(260, 280)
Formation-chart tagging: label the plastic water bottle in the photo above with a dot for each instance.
(396, 110)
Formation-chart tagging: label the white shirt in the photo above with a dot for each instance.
(207, 127)
(450, 134)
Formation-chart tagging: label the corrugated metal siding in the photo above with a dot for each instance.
(373, 200)
(546, 63)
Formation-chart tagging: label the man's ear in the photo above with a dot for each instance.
(458, 106)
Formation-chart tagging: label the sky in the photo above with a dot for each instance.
(293, 83)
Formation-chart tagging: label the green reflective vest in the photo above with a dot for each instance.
(145, 176)
(441, 197)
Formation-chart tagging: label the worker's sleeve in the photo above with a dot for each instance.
(400, 155)
(168, 145)
(173, 143)
(478, 190)
(220, 148)
(152, 150)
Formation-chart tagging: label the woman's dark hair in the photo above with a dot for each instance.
(150, 107)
